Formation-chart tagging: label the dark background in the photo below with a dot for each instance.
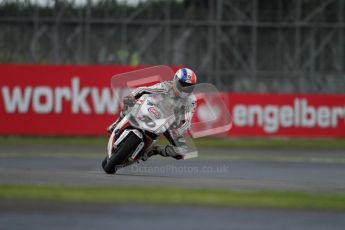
(255, 45)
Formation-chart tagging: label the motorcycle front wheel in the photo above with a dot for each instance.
(121, 154)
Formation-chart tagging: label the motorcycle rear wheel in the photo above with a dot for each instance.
(121, 154)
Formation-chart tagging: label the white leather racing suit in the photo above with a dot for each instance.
(175, 134)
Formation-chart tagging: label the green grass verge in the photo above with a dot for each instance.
(175, 196)
(201, 142)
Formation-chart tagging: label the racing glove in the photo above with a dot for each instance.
(128, 101)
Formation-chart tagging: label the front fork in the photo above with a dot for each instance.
(115, 139)
(112, 139)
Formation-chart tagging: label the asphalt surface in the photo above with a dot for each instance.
(57, 167)
(157, 171)
(33, 216)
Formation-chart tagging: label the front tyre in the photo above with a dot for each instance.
(121, 154)
(104, 162)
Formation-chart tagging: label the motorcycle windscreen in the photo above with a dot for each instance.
(211, 116)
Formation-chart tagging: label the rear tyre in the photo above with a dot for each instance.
(121, 154)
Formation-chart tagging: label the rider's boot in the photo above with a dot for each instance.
(154, 150)
(164, 151)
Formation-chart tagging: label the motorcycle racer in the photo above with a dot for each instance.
(180, 89)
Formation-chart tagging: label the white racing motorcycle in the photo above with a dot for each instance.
(149, 117)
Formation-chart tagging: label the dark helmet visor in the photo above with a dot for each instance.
(184, 87)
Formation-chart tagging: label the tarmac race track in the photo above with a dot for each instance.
(33, 216)
(56, 169)
(157, 171)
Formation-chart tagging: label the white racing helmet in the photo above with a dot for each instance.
(184, 81)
